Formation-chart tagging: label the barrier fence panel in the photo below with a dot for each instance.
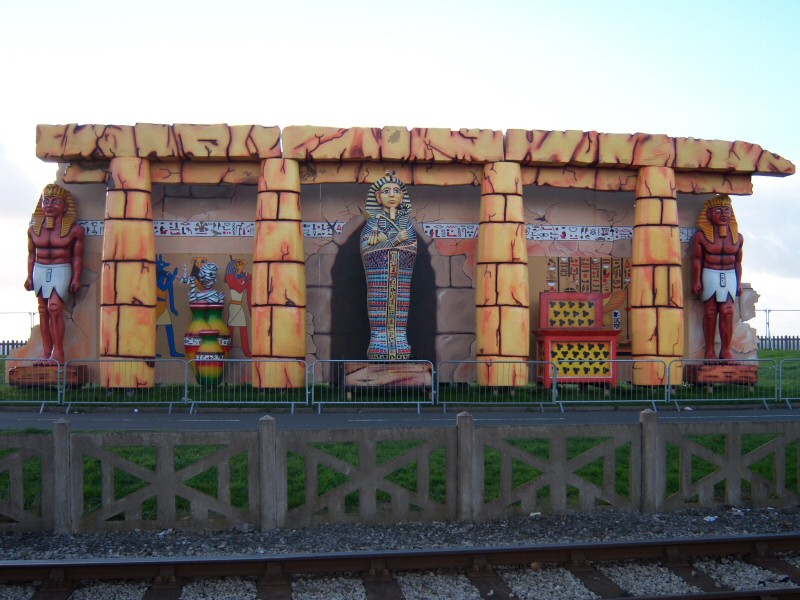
(31, 381)
(124, 382)
(371, 382)
(724, 382)
(248, 382)
(789, 390)
(608, 382)
(487, 383)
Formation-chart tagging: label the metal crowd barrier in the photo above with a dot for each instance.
(703, 381)
(604, 388)
(31, 381)
(493, 383)
(372, 382)
(124, 382)
(250, 382)
(789, 379)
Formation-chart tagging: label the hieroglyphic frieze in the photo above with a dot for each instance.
(450, 231)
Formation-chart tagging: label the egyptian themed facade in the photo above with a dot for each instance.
(500, 219)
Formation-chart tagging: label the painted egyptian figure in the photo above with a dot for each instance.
(55, 263)
(717, 271)
(388, 250)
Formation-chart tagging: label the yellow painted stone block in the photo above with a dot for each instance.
(566, 177)
(129, 240)
(96, 172)
(126, 173)
(128, 283)
(502, 208)
(203, 142)
(278, 205)
(259, 289)
(709, 155)
(551, 148)
(615, 149)
(446, 174)
(116, 140)
(713, 183)
(260, 327)
(670, 331)
(512, 285)
(128, 204)
(613, 180)
(498, 371)
(279, 374)
(109, 330)
(170, 171)
(650, 370)
(656, 245)
(647, 211)
(156, 141)
(487, 331)
(278, 241)
(49, 142)
(137, 331)
(644, 331)
(127, 374)
(502, 242)
(214, 173)
(254, 141)
(773, 164)
(655, 182)
(464, 145)
(288, 332)
(327, 172)
(656, 150)
(486, 286)
(135, 283)
(662, 285)
(279, 175)
(287, 284)
(502, 178)
(515, 331)
(395, 143)
(330, 143)
(80, 141)
(642, 288)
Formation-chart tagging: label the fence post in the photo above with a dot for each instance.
(464, 462)
(267, 473)
(652, 463)
(62, 476)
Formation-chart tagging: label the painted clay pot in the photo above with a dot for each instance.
(210, 359)
(192, 338)
(215, 321)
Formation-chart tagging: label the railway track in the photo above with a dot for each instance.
(595, 569)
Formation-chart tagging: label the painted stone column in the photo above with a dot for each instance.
(128, 280)
(279, 278)
(656, 290)
(502, 294)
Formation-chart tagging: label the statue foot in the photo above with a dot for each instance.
(725, 355)
(710, 356)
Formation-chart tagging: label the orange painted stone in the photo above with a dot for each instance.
(654, 150)
(128, 204)
(551, 148)
(279, 175)
(615, 149)
(128, 240)
(649, 370)
(127, 374)
(502, 242)
(645, 341)
(331, 143)
(713, 183)
(240, 173)
(502, 178)
(157, 141)
(126, 173)
(446, 174)
(278, 205)
(255, 141)
(286, 284)
(501, 208)
(512, 285)
(278, 241)
(128, 283)
(279, 374)
(670, 331)
(487, 330)
(464, 145)
(279, 331)
(656, 245)
(499, 371)
(486, 286)
(203, 142)
(655, 182)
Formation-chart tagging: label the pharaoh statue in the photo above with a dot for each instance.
(716, 258)
(388, 250)
(55, 263)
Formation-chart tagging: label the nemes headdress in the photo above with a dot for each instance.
(372, 206)
(705, 225)
(53, 190)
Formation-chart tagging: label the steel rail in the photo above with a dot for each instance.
(375, 562)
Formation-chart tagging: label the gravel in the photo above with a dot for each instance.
(346, 537)
(541, 581)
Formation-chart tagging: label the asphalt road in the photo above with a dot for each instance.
(161, 420)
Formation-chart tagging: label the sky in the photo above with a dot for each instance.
(710, 69)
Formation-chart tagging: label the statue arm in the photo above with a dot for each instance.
(738, 265)
(77, 259)
(31, 260)
(697, 264)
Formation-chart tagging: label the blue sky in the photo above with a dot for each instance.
(706, 69)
